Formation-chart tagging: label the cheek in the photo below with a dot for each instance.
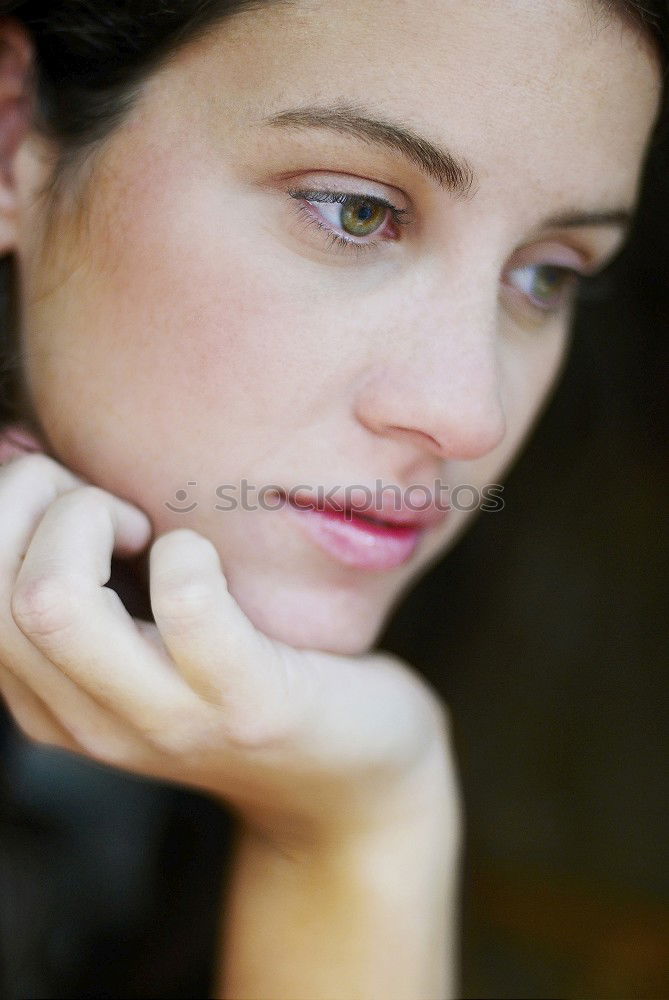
(530, 364)
(164, 359)
(158, 343)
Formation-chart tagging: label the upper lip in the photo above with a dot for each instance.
(386, 508)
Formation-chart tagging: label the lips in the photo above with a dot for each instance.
(357, 533)
(383, 510)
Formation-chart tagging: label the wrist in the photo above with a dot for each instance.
(372, 912)
(421, 810)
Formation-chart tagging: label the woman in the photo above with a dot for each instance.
(282, 270)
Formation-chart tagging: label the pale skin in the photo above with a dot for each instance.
(191, 323)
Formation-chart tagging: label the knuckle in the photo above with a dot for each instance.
(186, 731)
(46, 605)
(188, 735)
(248, 731)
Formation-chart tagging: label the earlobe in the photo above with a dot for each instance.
(16, 54)
(16, 440)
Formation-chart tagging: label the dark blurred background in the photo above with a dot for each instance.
(546, 632)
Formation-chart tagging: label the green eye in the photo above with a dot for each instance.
(348, 219)
(545, 285)
(362, 217)
(549, 282)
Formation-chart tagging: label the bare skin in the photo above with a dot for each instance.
(193, 322)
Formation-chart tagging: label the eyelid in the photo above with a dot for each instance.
(340, 180)
(551, 253)
(337, 237)
(575, 251)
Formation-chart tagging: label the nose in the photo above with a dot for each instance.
(436, 385)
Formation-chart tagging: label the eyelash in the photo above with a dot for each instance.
(402, 217)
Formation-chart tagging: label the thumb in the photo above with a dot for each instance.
(17, 439)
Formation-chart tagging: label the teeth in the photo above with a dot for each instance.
(351, 512)
(378, 521)
(367, 517)
(363, 517)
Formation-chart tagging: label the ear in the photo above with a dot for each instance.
(15, 440)
(16, 60)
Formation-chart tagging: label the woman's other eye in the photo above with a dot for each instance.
(349, 220)
(546, 286)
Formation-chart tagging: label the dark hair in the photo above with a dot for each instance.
(92, 56)
(91, 59)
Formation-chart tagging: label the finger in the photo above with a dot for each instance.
(30, 484)
(33, 718)
(61, 604)
(27, 486)
(213, 643)
(339, 710)
(73, 722)
(75, 719)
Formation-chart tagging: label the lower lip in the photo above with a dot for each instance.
(356, 542)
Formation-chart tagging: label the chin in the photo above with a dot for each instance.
(328, 620)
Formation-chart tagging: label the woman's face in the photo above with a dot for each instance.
(201, 321)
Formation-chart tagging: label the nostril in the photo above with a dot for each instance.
(422, 438)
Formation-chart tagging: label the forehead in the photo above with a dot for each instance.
(533, 93)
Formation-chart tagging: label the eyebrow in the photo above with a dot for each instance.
(621, 217)
(454, 173)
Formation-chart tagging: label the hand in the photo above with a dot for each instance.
(302, 743)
